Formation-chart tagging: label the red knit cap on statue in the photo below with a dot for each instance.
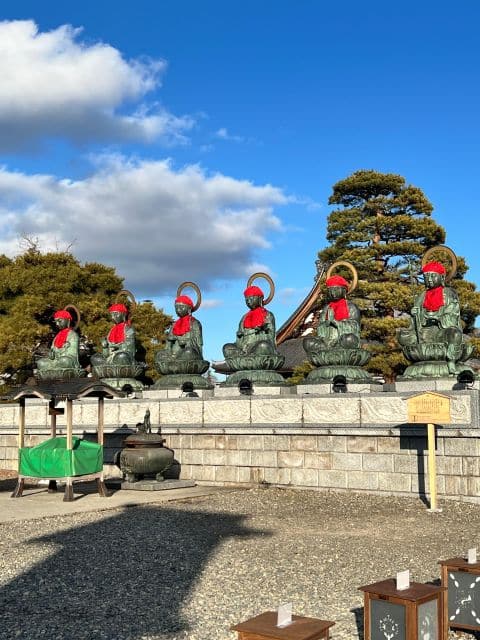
(434, 298)
(253, 291)
(434, 267)
(337, 281)
(118, 307)
(62, 314)
(184, 300)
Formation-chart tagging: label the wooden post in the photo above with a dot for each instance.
(69, 423)
(366, 616)
(52, 484)
(102, 489)
(52, 411)
(21, 423)
(68, 496)
(17, 492)
(53, 425)
(432, 467)
(101, 419)
(445, 599)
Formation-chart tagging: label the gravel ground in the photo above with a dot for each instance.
(191, 569)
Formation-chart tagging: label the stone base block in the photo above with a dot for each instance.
(258, 390)
(329, 372)
(327, 387)
(433, 369)
(431, 384)
(168, 394)
(260, 378)
(153, 485)
(59, 375)
(177, 380)
(124, 384)
(308, 388)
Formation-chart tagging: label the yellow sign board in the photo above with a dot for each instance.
(429, 407)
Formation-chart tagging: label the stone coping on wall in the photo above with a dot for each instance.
(364, 411)
(265, 429)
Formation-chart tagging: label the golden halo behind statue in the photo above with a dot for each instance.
(451, 255)
(266, 277)
(130, 297)
(349, 265)
(77, 314)
(193, 286)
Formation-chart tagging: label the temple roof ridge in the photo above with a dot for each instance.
(292, 327)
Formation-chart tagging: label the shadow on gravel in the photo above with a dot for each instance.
(124, 577)
(8, 484)
(358, 613)
(420, 446)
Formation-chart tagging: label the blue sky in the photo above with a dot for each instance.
(188, 140)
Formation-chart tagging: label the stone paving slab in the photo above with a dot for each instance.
(154, 485)
(37, 503)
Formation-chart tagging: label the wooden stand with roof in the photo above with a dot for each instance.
(264, 627)
(407, 614)
(54, 393)
(462, 581)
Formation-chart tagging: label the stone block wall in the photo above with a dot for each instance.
(389, 461)
(353, 441)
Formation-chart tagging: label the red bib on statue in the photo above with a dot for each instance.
(340, 309)
(255, 318)
(117, 333)
(61, 338)
(182, 326)
(433, 299)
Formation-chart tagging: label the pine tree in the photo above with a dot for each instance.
(34, 285)
(383, 227)
(300, 372)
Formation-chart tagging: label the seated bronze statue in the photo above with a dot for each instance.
(335, 349)
(339, 322)
(119, 346)
(256, 331)
(434, 340)
(116, 362)
(62, 362)
(184, 344)
(255, 347)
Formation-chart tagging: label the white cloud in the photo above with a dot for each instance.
(211, 303)
(52, 84)
(158, 226)
(292, 295)
(224, 134)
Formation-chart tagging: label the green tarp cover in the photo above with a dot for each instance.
(52, 459)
